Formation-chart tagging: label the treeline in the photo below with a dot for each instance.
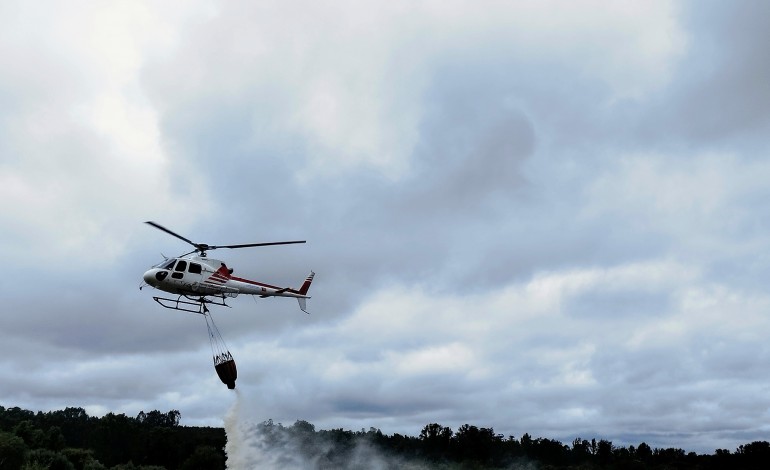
(69, 439)
(471, 447)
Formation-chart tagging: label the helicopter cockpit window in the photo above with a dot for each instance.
(181, 265)
(194, 268)
(168, 265)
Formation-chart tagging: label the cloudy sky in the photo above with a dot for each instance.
(548, 217)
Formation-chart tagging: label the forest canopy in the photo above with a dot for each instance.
(70, 439)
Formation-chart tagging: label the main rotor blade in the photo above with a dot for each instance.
(160, 227)
(246, 245)
(203, 247)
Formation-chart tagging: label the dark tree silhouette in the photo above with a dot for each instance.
(12, 451)
(69, 439)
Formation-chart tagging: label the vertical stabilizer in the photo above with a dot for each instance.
(306, 285)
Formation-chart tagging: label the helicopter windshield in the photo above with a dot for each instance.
(166, 264)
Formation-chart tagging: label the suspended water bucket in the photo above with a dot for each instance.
(227, 372)
(224, 363)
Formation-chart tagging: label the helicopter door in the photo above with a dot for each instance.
(195, 268)
(179, 270)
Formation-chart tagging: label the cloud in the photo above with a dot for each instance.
(717, 96)
(81, 144)
(724, 96)
(554, 210)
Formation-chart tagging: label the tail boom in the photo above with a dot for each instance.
(266, 290)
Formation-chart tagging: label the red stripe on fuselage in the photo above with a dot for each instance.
(255, 283)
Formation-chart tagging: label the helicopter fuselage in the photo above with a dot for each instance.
(202, 276)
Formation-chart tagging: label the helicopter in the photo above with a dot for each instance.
(199, 281)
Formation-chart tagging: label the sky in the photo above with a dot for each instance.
(541, 217)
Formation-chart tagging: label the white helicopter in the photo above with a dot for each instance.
(199, 280)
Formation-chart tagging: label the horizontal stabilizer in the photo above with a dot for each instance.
(272, 294)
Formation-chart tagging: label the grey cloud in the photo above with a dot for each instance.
(720, 93)
(522, 183)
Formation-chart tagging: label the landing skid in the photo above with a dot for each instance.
(189, 304)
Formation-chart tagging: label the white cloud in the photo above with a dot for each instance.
(501, 236)
(346, 78)
(521, 343)
(84, 155)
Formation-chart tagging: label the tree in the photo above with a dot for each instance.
(304, 434)
(755, 454)
(435, 431)
(114, 439)
(54, 439)
(436, 440)
(13, 416)
(581, 450)
(604, 451)
(32, 435)
(549, 451)
(644, 453)
(12, 450)
(80, 458)
(669, 456)
(475, 443)
(50, 460)
(157, 419)
(204, 458)
(526, 442)
(73, 422)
